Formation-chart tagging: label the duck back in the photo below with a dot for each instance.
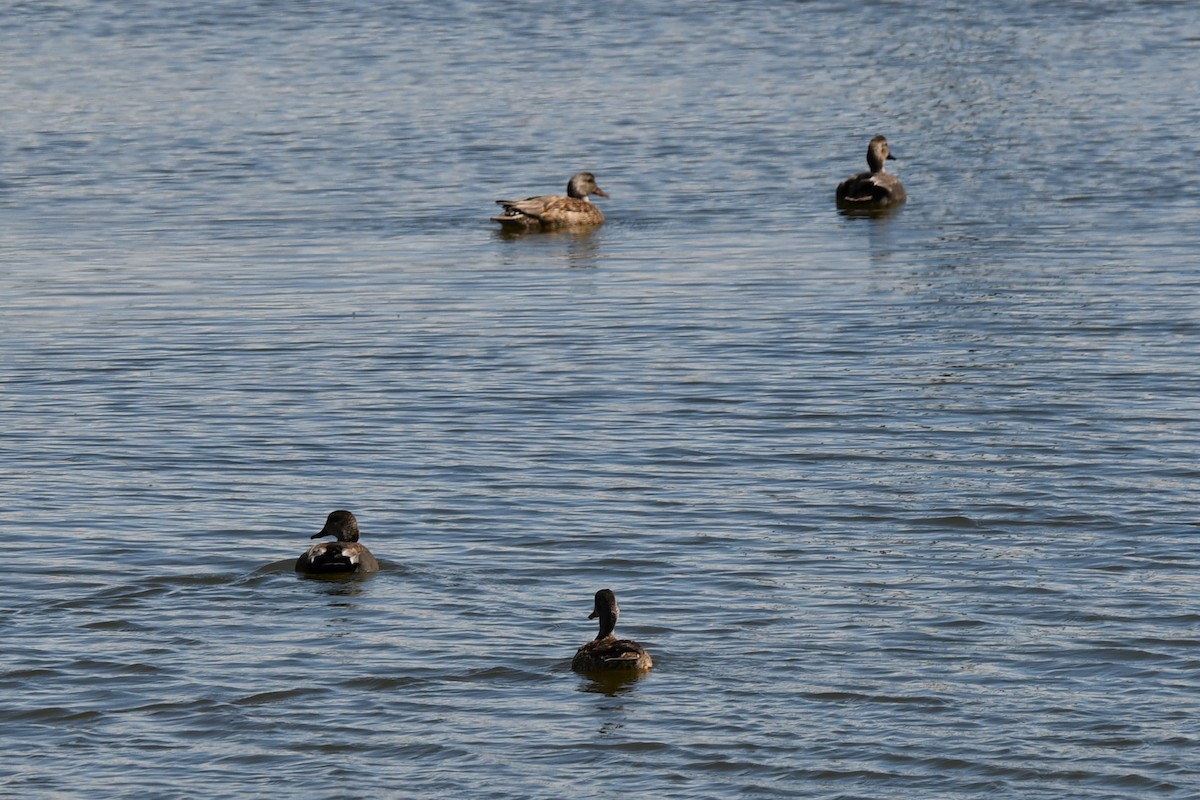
(329, 558)
(602, 655)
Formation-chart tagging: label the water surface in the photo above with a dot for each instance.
(901, 506)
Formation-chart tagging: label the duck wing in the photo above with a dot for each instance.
(861, 188)
(335, 557)
(871, 188)
(605, 654)
(531, 208)
(550, 210)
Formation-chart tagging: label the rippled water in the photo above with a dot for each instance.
(901, 506)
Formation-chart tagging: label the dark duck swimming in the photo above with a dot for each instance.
(606, 652)
(874, 189)
(343, 556)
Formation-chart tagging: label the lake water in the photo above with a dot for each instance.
(903, 507)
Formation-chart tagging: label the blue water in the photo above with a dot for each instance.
(901, 506)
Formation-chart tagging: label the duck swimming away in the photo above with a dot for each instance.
(343, 556)
(606, 652)
(550, 211)
(874, 189)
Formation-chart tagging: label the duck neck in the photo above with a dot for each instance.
(608, 624)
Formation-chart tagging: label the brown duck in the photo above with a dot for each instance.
(606, 652)
(874, 189)
(550, 211)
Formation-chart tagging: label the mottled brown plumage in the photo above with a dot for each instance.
(550, 211)
(606, 652)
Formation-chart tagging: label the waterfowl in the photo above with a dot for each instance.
(549, 211)
(874, 189)
(345, 555)
(606, 652)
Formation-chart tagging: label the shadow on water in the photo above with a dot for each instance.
(611, 684)
(869, 212)
(346, 584)
(578, 246)
(881, 236)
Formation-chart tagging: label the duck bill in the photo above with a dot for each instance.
(891, 157)
(600, 192)
(320, 533)
(593, 615)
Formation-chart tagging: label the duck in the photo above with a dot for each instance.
(343, 556)
(874, 189)
(606, 652)
(549, 211)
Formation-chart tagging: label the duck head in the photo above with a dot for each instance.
(877, 153)
(582, 184)
(341, 525)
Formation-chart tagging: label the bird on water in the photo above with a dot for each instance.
(873, 189)
(552, 211)
(606, 652)
(344, 555)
